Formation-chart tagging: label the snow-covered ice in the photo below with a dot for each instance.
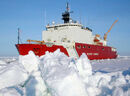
(55, 74)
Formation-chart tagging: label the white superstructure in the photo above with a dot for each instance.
(67, 32)
(70, 31)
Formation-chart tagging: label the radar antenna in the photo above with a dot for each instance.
(66, 14)
(67, 7)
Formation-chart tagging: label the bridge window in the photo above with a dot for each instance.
(55, 28)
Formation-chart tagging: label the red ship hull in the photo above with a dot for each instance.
(96, 51)
(92, 51)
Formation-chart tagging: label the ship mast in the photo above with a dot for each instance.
(66, 14)
(18, 34)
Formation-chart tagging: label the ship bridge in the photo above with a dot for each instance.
(60, 26)
(63, 25)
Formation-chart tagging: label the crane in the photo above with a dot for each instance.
(105, 35)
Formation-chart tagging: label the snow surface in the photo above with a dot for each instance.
(55, 74)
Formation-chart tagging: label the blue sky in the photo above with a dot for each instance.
(29, 15)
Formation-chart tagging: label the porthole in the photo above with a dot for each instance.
(103, 49)
(79, 47)
(89, 47)
(36, 50)
(84, 46)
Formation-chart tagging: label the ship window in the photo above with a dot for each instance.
(55, 28)
(79, 47)
(84, 46)
(68, 41)
(89, 47)
(102, 48)
(36, 50)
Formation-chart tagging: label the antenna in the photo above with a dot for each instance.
(67, 7)
(18, 34)
(80, 18)
(45, 17)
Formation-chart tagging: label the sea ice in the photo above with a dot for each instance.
(55, 74)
